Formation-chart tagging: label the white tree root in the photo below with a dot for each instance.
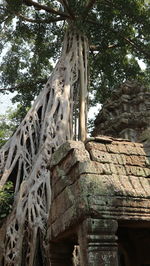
(24, 158)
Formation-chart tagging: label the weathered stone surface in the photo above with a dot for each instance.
(126, 114)
(98, 236)
(68, 146)
(108, 173)
(107, 180)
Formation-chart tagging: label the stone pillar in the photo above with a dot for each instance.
(98, 242)
(61, 254)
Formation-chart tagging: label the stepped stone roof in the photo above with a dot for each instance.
(126, 113)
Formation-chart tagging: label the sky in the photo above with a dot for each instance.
(5, 103)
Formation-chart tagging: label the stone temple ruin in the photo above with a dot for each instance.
(126, 114)
(101, 188)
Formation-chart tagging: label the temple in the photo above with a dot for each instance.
(126, 114)
(101, 188)
(100, 202)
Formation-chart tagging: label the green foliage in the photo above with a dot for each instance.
(6, 130)
(9, 122)
(6, 199)
(118, 33)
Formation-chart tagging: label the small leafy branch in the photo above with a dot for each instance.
(6, 199)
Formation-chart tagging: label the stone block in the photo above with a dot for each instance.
(95, 145)
(65, 148)
(113, 148)
(99, 156)
(136, 183)
(135, 171)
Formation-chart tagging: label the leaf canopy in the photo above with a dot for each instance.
(32, 33)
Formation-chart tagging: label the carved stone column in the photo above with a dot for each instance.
(98, 242)
(61, 254)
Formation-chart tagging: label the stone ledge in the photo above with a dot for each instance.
(104, 178)
(64, 150)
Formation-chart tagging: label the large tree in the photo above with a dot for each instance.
(111, 36)
(32, 33)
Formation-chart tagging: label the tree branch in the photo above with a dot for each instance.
(88, 8)
(97, 48)
(46, 8)
(131, 42)
(69, 10)
(94, 22)
(40, 21)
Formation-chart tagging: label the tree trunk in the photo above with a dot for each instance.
(25, 157)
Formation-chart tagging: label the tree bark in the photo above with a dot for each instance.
(25, 157)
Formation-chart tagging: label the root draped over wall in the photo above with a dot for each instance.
(25, 157)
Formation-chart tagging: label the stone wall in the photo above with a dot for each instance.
(100, 186)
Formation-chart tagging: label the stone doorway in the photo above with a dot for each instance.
(134, 245)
